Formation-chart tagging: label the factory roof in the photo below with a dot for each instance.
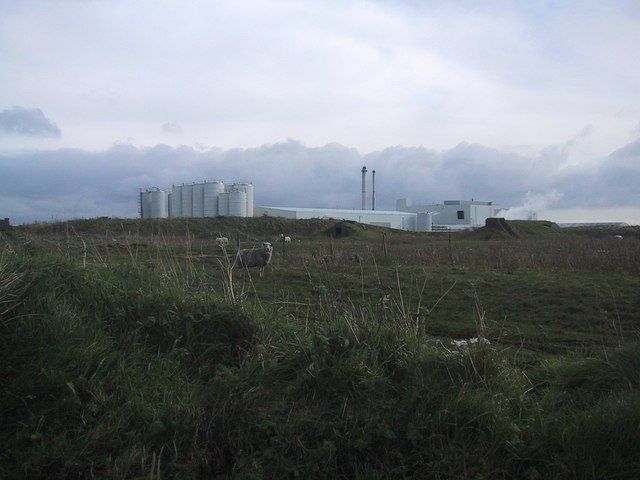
(340, 210)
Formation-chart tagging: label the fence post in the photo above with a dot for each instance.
(450, 248)
(384, 245)
(282, 237)
(331, 244)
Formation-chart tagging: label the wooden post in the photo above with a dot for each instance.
(331, 244)
(237, 240)
(384, 245)
(450, 248)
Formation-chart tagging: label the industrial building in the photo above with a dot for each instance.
(453, 214)
(199, 199)
(391, 219)
(450, 215)
(220, 199)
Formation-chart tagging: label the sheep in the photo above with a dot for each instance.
(284, 238)
(255, 257)
(222, 241)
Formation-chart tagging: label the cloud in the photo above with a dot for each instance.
(27, 121)
(171, 127)
(77, 183)
(366, 74)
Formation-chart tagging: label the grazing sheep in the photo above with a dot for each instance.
(618, 237)
(255, 257)
(284, 238)
(222, 241)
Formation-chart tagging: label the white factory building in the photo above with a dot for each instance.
(391, 219)
(235, 199)
(199, 199)
(453, 214)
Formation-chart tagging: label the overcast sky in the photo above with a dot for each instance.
(503, 101)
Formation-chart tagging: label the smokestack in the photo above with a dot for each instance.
(373, 191)
(364, 188)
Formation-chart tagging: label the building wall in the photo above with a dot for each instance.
(271, 212)
(481, 212)
(399, 220)
(474, 213)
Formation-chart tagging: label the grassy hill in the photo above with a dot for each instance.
(524, 229)
(143, 358)
(203, 227)
(119, 373)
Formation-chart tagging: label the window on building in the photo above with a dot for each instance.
(460, 214)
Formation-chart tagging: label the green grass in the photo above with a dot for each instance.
(137, 365)
(206, 228)
(521, 228)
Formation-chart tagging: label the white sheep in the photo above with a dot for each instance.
(284, 238)
(255, 257)
(222, 241)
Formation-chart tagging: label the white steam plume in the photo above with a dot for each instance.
(533, 202)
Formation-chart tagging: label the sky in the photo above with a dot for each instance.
(528, 104)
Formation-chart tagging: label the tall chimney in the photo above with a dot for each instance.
(373, 191)
(364, 188)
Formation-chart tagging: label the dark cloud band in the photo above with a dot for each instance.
(72, 183)
(29, 122)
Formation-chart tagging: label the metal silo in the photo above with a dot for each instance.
(223, 204)
(211, 192)
(169, 206)
(176, 201)
(424, 222)
(237, 203)
(158, 203)
(187, 200)
(198, 200)
(248, 189)
(145, 204)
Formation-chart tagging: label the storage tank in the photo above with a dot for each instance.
(187, 200)
(237, 203)
(223, 204)
(211, 192)
(248, 189)
(169, 200)
(158, 203)
(176, 201)
(424, 222)
(198, 200)
(145, 204)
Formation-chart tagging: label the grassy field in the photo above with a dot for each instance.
(129, 352)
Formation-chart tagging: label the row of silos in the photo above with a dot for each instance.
(199, 199)
(212, 199)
